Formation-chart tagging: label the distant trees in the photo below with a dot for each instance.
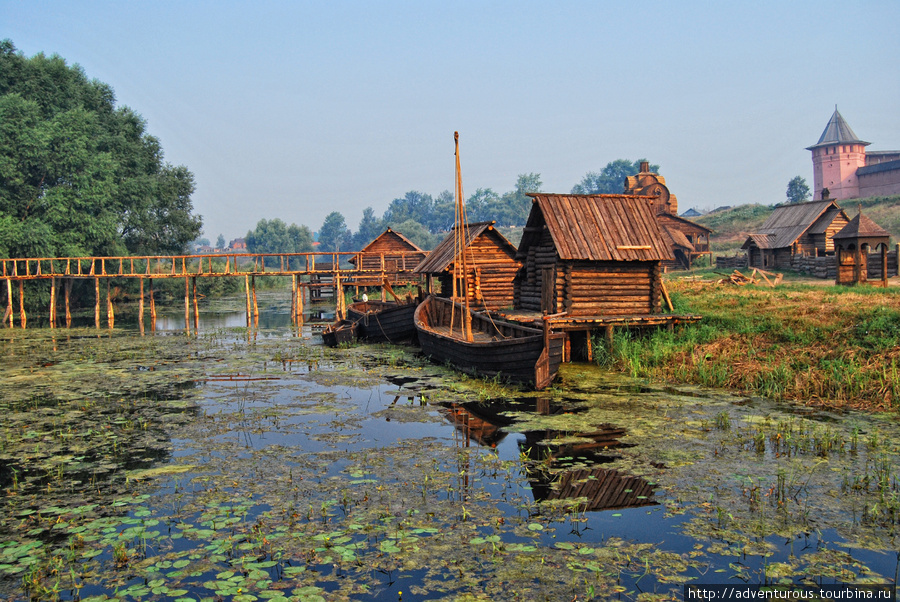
(797, 190)
(220, 241)
(334, 235)
(78, 175)
(274, 236)
(611, 179)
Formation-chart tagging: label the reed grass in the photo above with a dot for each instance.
(836, 346)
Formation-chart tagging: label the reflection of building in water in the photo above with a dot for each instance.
(604, 488)
(472, 426)
(565, 465)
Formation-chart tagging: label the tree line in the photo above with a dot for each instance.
(425, 219)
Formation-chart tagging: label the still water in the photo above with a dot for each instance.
(256, 464)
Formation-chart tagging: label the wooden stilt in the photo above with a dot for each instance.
(22, 318)
(294, 299)
(68, 293)
(152, 307)
(301, 293)
(53, 302)
(110, 315)
(96, 300)
(884, 266)
(609, 337)
(141, 306)
(187, 303)
(255, 306)
(9, 303)
(247, 291)
(196, 309)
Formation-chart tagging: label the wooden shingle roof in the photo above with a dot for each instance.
(862, 227)
(789, 222)
(442, 256)
(597, 227)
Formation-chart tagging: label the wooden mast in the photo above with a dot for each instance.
(460, 265)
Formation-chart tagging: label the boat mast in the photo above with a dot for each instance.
(460, 265)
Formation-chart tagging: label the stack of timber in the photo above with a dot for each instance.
(519, 354)
(740, 279)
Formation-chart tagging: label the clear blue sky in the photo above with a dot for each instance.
(296, 109)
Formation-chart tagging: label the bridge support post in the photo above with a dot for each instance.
(187, 303)
(68, 294)
(96, 301)
(110, 315)
(196, 309)
(152, 307)
(141, 306)
(9, 305)
(53, 302)
(22, 318)
(247, 291)
(255, 305)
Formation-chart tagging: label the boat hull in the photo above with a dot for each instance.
(383, 321)
(338, 333)
(509, 351)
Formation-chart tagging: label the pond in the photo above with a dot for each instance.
(257, 464)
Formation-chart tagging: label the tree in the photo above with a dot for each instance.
(443, 213)
(369, 228)
(611, 179)
(414, 205)
(274, 236)
(79, 176)
(417, 233)
(482, 205)
(515, 205)
(220, 241)
(334, 235)
(797, 190)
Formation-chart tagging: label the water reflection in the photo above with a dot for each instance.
(559, 465)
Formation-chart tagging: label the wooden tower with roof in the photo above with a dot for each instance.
(852, 245)
(836, 157)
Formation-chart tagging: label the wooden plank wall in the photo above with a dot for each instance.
(609, 288)
(493, 273)
(528, 287)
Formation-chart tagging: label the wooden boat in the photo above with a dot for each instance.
(473, 342)
(510, 351)
(342, 331)
(384, 321)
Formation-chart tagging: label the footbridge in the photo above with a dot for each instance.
(318, 276)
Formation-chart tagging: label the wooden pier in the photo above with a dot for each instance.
(315, 273)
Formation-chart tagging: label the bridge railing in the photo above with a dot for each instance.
(215, 264)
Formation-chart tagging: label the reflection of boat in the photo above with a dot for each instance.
(511, 351)
(342, 331)
(449, 331)
(383, 321)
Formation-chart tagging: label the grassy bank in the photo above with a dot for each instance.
(817, 344)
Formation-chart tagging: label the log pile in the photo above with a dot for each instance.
(740, 279)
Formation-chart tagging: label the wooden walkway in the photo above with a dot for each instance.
(319, 273)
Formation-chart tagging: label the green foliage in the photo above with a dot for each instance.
(417, 233)
(797, 190)
(79, 176)
(370, 227)
(274, 236)
(611, 179)
(334, 235)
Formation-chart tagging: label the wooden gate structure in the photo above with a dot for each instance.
(307, 271)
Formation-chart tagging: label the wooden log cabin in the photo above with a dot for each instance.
(852, 246)
(492, 266)
(390, 253)
(796, 229)
(591, 255)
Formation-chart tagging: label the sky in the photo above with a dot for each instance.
(294, 109)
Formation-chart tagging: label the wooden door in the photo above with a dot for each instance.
(548, 289)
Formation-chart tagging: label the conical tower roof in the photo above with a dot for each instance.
(837, 132)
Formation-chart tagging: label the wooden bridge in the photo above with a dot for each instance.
(322, 274)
